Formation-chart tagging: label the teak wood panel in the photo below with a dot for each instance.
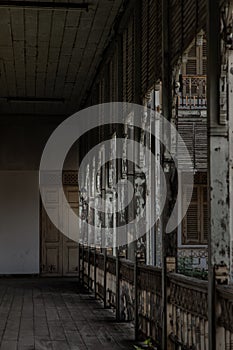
(59, 254)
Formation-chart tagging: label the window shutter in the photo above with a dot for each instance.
(195, 223)
(125, 64)
(200, 145)
(115, 72)
(191, 67)
(192, 51)
(131, 56)
(101, 91)
(204, 215)
(204, 58)
(151, 40)
(193, 131)
(186, 131)
(191, 220)
(144, 43)
(197, 60)
(113, 81)
(128, 61)
(189, 20)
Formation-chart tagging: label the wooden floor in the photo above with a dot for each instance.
(45, 313)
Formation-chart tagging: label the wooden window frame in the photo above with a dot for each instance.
(201, 216)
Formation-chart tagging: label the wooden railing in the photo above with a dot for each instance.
(193, 93)
(224, 310)
(135, 291)
(188, 312)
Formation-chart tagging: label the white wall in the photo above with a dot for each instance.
(23, 139)
(19, 222)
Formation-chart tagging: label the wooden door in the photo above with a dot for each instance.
(70, 248)
(59, 254)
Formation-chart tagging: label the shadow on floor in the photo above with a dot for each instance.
(59, 314)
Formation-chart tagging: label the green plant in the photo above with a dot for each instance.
(147, 344)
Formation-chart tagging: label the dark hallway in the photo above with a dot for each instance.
(48, 313)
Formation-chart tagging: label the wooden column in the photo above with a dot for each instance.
(83, 265)
(117, 285)
(88, 269)
(136, 326)
(169, 241)
(219, 162)
(105, 278)
(95, 273)
(79, 262)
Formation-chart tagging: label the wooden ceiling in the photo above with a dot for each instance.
(49, 54)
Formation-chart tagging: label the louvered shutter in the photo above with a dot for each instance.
(195, 223)
(191, 67)
(128, 61)
(131, 58)
(193, 131)
(115, 74)
(113, 81)
(144, 45)
(186, 131)
(176, 25)
(190, 222)
(125, 65)
(151, 41)
(158, 40)
(189, 20)
(204, 215)
(187, 17)
(200, 144)
(101, 91)
(196, 60)
(204, 58)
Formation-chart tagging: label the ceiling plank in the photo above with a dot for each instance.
(44, 5)
(31, 38)
(44, 32)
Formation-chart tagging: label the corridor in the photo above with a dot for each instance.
(49, 313)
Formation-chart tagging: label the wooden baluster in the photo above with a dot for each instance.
(180, 324)
(220, 338)
(189, 329)
(151, 315)
(117, 285)
(95, 273)
(206, 335)
(185, 328)
(227, 341)
(198, 333)
(231, 341)
(193, 330)
(202, 329)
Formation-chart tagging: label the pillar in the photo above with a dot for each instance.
(219, 162)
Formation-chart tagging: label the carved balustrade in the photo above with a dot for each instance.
(188, 312)
(193, 93)
(187, 301)
(224, 310)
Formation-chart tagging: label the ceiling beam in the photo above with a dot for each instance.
(25, 99)
(44, 5)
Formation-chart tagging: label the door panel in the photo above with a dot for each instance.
(52, 264)
(59, 254)
(70, 248)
